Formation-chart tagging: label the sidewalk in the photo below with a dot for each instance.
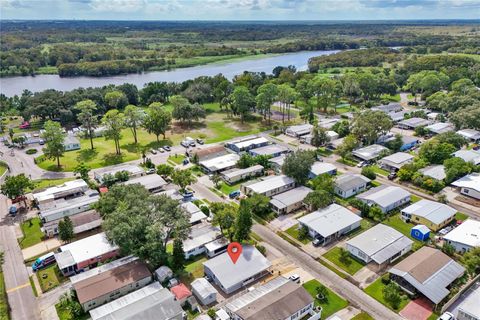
(39, 248)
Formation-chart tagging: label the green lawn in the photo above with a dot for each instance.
(332, 268)
(217, 126)
(398, 224)
(46, 183)
(293, 231)
(64, 314)
(362, 316)
(375, 183)
(193, 269)
(348, 162)
(380, 171)
(394, 98)
(461, 216)
(31, 233)
(351, 266)
(375, 290)
(50, 278)
(177, 158)
(324, 151)
(3, 167)
(415, 198)
(227, 189)
(32, 284)
(4, 314)
(332, 304)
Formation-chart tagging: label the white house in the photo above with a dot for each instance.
(468, 156)
(221, 163)
(133, 170)
(470, 134)
(330, 223)
(199, 236)
(204, 291)
(71, 143)
(348, 185)
(368, 153)
(67, 189)
(234, 175)
(464, 237)
(413, 123)
(469, 185)
(290, 200)
(269, 186)
(440, 127)
(229, 276)
(319, 168)
(381, 244)
(386, 197)
(195, 214)
(395, 161)
(299, 130)
(152, 182)
(435, 171)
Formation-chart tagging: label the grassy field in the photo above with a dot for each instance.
(177, 158)
(218, 126)
(50, 278)
(31, 233)
(375, 290)
(332, 304)
(294, 231)
(351, 266)
(4, 314)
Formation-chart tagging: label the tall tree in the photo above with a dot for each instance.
(178, 256)
(298, 165)
(114, 122)
(16, 186)
(305, 93)
(54, 138)
(183, 178)
(266, 96)
(318, 199)
(243, 222)
(370, 125)
(65, 229)
(346, 147)
(241, 101)
(184, 111)
(87, 117)
(133, 119)
(286, 95)
(157, 120)
(319, 137)
(82, 169)
(116, 100)
(224, 215)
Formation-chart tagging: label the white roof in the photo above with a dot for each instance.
(468, 156)
(290, 197)
(467, 233)
(435, 212)
(398, 158)
(470, 134)
(69, 139)
(148, 303)
(88, 248)
(349, 181)
(319, 168)
(270, 183)
(200, 235)
(384, 195)
(414, 122)
(327, 122)
(132, 169)
(369, 152)
(300, 129)
(50, 211)
(380, 242)
(222, 162)
(245, 143)
(470, 305)
(471, 181)
(435, 172)
(269, 150)
(203, 288)
(64, 189)
(149, 181)
(278, 160)
(440, 127)
(195, 213)
(250, 263)
(239, 172)
(330, 220)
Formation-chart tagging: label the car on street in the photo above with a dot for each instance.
(161, 150)
(392, 175)
(153, 151)
(199, 141)
(447, 316)
(167, 148)
(151, 171)
(294, 278)
(234, 194)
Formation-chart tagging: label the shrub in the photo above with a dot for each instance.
(31, 151)
(303, 233)
(369, 173)
(262, 249)
(211, 313)
(386, 278)
(205, 210)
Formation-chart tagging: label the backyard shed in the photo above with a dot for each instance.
(420, 232)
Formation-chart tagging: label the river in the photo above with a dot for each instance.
(15, 85)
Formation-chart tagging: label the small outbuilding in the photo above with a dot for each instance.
(163, 273)
(204, 291)
(181, 293)
(420, 232)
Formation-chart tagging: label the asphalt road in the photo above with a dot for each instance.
(353, 294)
(22, 302)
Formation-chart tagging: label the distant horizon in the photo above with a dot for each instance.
(240, 10)
(258, 20)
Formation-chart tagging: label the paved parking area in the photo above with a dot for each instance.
(418, 309)
(283, 222)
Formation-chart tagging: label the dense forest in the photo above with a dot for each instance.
(99, 48)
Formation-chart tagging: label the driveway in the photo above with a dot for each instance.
(418, 309)
(283, 222)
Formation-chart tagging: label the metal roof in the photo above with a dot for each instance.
(384, 195)
(132, 169)
(270, 183)
(238, 172)
(319, 168)
(435, 172)
(203, 288)
(430, 271)
(440, 127)
(290, 197)
(467, 233)
(468, 156)
(63, 190)
(415, 122)
(470, 305)
(63, 205)
(349, 181)
(469, 133)
(195, 213)
(397, 158)
(222, 162)
(300, 129)
(149, 181)
(152, 302)
(471, 181)
(200, 235)
(369, 152)
(380, 242)
(330, 220)
(435, 212)
(247, 142)
(269, 150)
(278, 160)
(250, 263)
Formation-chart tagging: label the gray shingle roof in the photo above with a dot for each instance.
(349, 181)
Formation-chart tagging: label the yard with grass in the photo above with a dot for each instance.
(332, 303)
(64, 314)
(3, 167)
(294, 232)
(218, 126)
(193, 269)
(31, 233)
(375, 183)
(461, 216)
(47, 183)
(227, 189)
(176, 158)
(350, 265)
(348, 162)
(50, 278)
(415, 198)
(398, 224)
(362, 316)
(375, 290)
(380, 171)
(4, 314)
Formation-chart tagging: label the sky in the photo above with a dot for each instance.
(239, 9)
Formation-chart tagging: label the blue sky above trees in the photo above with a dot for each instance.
(240, 9)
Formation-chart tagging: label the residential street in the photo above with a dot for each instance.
(354, 295)
(22, 302)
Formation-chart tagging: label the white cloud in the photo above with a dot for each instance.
(117, 5)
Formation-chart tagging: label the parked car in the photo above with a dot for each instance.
(294, 278)
(153, 151)
(167, 148)
(24, 125)
(161, 150)
(447, 316)
(317, 242)
(188, 142)
(392, 175)
(361, 164)
(43, 261)
(187, 194)
(199, 141)
(234, 194)
(41, 142)
(151, 171)
(13, 211)
(185, 161)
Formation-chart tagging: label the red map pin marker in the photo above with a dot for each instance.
(234, 250)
